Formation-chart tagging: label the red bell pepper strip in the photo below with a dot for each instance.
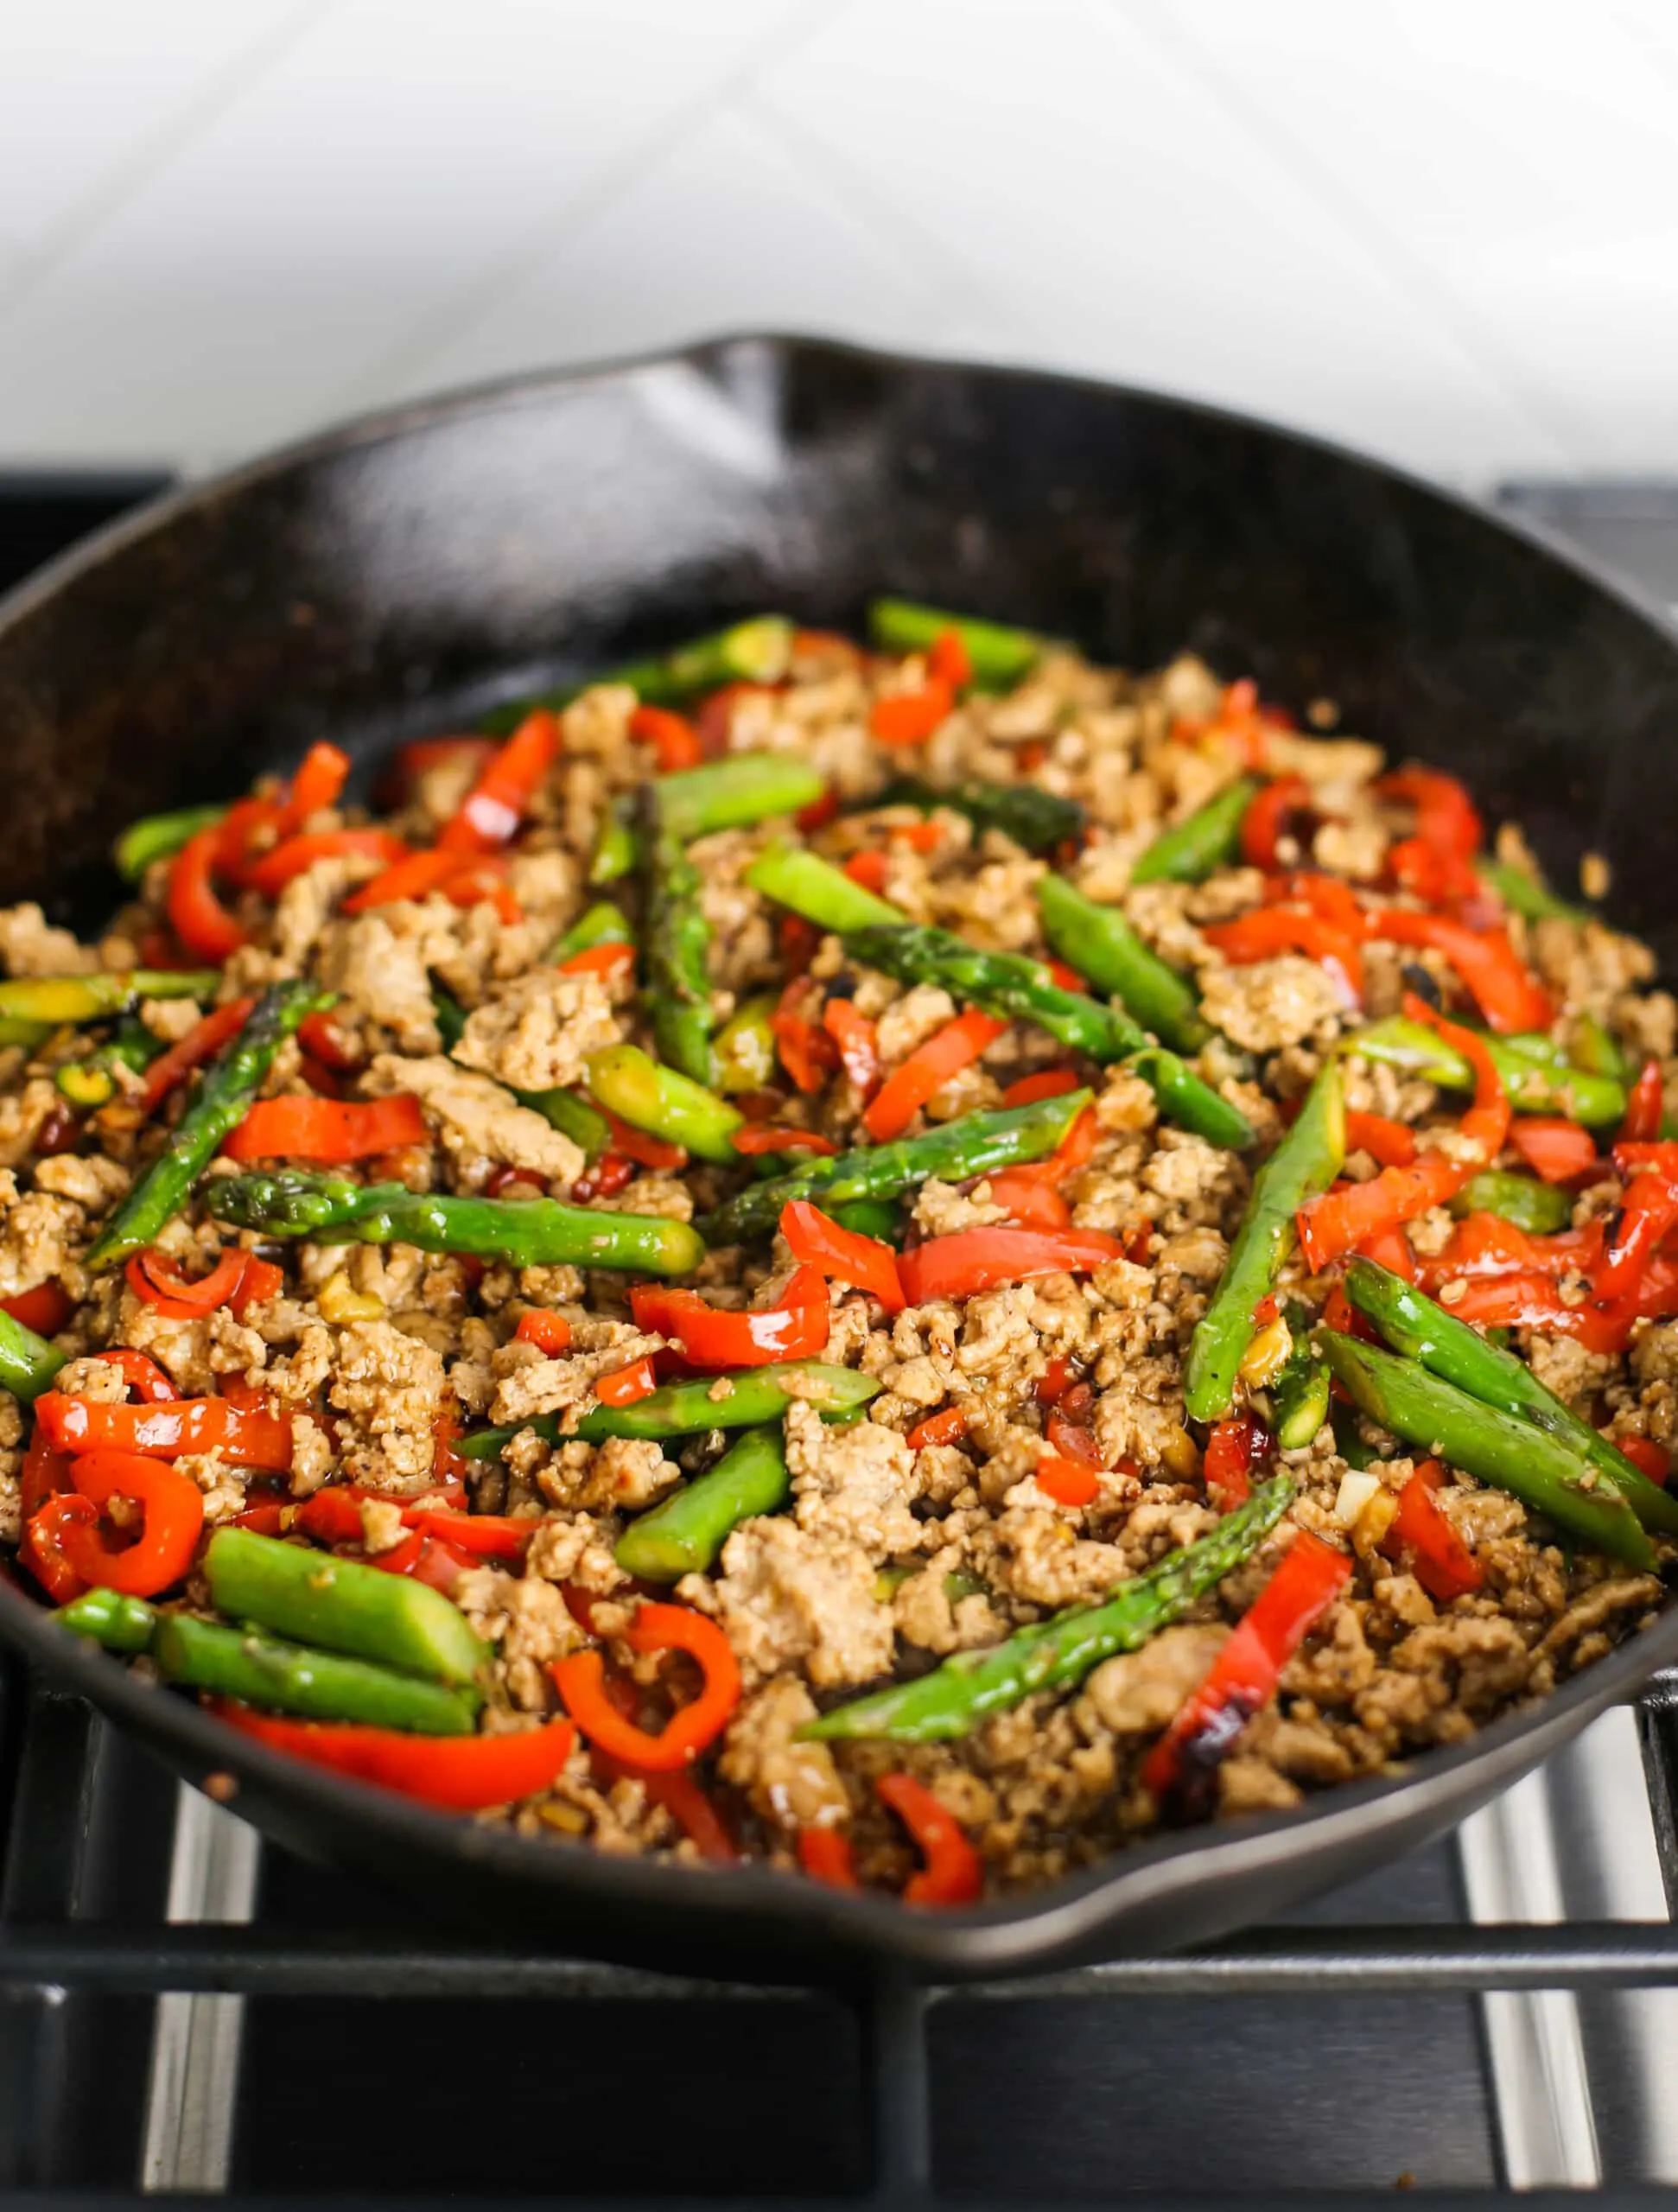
(807, 1052)
(269, 1519)
(327, 1129)
(1507, 992)
(458, 1773)
(275, 870)
(260, 1281)
(624, 1385)
(174, 1510)
(320, 1039)
(1424, 1538)
(196, 914)
(826, 1856)
(1445, 815)
(709, 1336)
(947, 657)
(332, 1516)
(599, 960)
(320, 778)
(1388, 1143)
(672, 737)
(978, 1258)
(1027, 1199)
(841, 1254)
(1390, 1249)
(777, 1137)
(496, 805)
(867, 869)
(1269, 931)
(926, 1070)
(397, 782)
(1648, 1457)
(141, 1374)
(1234, 1449)
(42, 1548)
(481, 883)
(44, 1473)
(954, 1873)
(1533, 1301)
(484, 1536)
(1486, 1245)
(176, 1297)
(859, 1047)
(642, 1147)
(911, 717)
(1349, 1215)
(1266, 818)
(1559, 1151)
(199, 1044)
(609, 1174)
(1243, 1677)
(579, 1680)
(1643, 1106)
(45, 1309)
(549, 1332)
(1072, 1156)
(818, 813)
(948, 1426)
(166, 1432)
(1649, 1213)
(414, 876)
(1048, 1082)
(1071, 1483)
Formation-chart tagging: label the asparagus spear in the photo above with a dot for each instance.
(1535, 1072)
(744, 1400)
(999, 657)
(1598, 1051)
(875, 1217)
(978, 1144)
(56, 1000)
(1104, 948)
(573, 1117)
(1539, 1208)
(1296, 1401)
(27, 1362)
(733, 793)
(90, 1082)
(747, 652)
(156, 836)
(684, 1534)
(1004, 983)
(106, 1617)
(1536, 1466)
(531, 1233)
(341, 1605)
(745, 1047)
(1037, 821)
(678, 987)
(1528, 894)
(1185, 1099)
(662, 1102)
(1422, 1330)
(601, 923)
(955, 1698)
(1208, 840)
(614, 855)
(1305, 1161)
(261, 1669)
(225, 1096)
(821, 893)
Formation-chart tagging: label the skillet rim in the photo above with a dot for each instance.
(1036, 1928)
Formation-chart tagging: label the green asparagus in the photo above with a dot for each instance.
(341, 1605)
(1598, 1051)
(744, 1052)
(156, 836)
(756, 652)
(1295, 1403)
(1208, 840)
(1102, 946)
(875, 1217)
(678, 937)
(573, 1117)
(662, 1102)
(1422, 1330)
(27, 1362)
(1539, 1208)
(1305, 1161)
(734, 792)
(744, 1400)
(685, 1533)
(528, 1233)
(978, 1144)
(1037, 820)
(1539, 1468)
(1185, 1098)
(259, 1670)
(56, 1000)
(1528, 894)
(821, 893)
(1006, 984)
(954, 1699)
(92, 1082)
(228, 1090)
(614, 851)
(1534, 1073)
(601, 923)
(106, 1617)
(999, 657)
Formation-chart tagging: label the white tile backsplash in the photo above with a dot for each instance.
(1443, 230)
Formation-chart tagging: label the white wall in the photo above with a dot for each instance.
(1441, 229)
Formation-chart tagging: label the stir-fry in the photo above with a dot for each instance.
(908, 1261)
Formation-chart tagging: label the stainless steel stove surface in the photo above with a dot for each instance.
(1497, 2013)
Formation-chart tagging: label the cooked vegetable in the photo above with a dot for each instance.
(172, 1516)
(1037, 821)
(920, 1078)
(974, 1145)
(156, 836)
(327, 1129)
(457, 1773)
(821, 893)
(997, 655)
(614, 854)
(580, 1678)
(341, 1605)
(708, 1402)
(27, 1362)
(575, 1117)
(1208, 839)
(955, 1698)
(663, 1101)
(106, 1617)
(533, 1233)
(748, 653)
(601, 923)
(260, 1670)
(53, 1001)
(743, 1054)
(1296, 1397)
(1535, 1073)
(1305, 1161)
(1532, 1205)
(92, 1082)
(1527, 893)
(1184, 1098)
(1107, 952)
(1539, 1468)
(685, 1531)
(678, 990)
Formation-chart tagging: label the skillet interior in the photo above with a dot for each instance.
(440, 554)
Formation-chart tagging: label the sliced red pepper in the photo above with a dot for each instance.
(1071, 1156)
(1559, 1151)
(416, 876)
(948, 1426)
(709, 1336)
(200, 1043)
(481, 883)
(1424, 1538)
(45, 1309)
(1508, 995)
(1026, 1199)
(327, 1129)
(320, 779)
(1486, 1245)
(484, 1536)
(645, 1149)
(397, 782)
(260, 1281)
(275, 870)
(177, 1298)
(1269, 931)
(797, 941)
(626, 1385)
(818, 813)
(926, 1070)
(497, 803)
(458, 1773)
(977, 1259)
(1071, 1483)
(196, 914)
(1390, 1249)
(672, 737)
(816, 1241)
(922, 837)
(826, 1856)
(1244, 1676)
(1388, 1142)
(1445, 815)
(911, 717)
(714, 716)
(579, 1680)
(1267, 817)
(1234, 1449)
(42, 1548)
(1648, 1457)
(954, 1873)
(269, 1519)
(599, 960)
(174, 1517)
(867, 869)
(807, 1052)
(609, 1174)
(947, 658)
(1645, 1105)
(320, 1039)
(779, 1136)
(1649, 1213)
(549, 1332)
(141, 1374)
(1533, 1301)
(332, 1516)
(859, 1047)
(166, 1432)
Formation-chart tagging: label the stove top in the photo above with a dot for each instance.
(189, 2010)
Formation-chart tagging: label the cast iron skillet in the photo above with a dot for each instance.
(383, 580)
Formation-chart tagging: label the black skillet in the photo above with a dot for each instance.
(385, 581)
